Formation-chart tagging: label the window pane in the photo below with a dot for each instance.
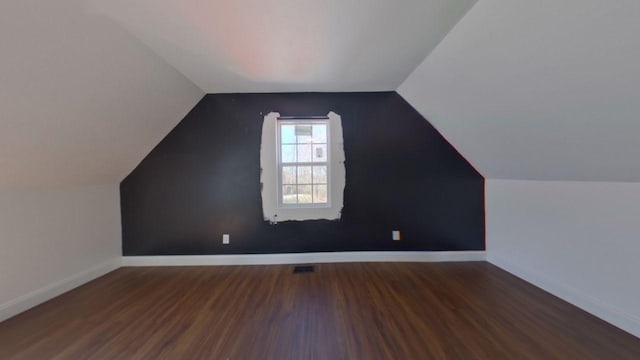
(320, 174)
(304, 194)
(289, 175)
(289, 194)
(287, 134)
(319, 133)
(288, 153)
(320, 194)
(304, 153)
(304, 174)
(303, 132)
(319, 153)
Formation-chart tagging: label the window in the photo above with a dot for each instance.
(303, 162)
(302, 171)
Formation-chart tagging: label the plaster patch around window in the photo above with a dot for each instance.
(269, 175)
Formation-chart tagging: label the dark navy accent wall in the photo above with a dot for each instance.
(203, 180)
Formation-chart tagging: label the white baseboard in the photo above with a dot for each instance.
(39, 296)
(302, 258)
(596, 307)
(592, 305)
(27, 301)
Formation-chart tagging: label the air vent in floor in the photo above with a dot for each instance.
(303, 269)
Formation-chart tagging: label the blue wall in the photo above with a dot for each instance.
(203, 180)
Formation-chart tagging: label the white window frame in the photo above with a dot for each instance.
(269, 177)
(323, 120)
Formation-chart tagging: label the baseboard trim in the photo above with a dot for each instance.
(302, 258)
(606, 312)
(39, 296)
(596, 307)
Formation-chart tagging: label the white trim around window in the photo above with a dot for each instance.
(274, 209)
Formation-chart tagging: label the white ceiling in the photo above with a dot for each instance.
(541, 89)
(290, 45)
(81, 101)
(524, 89)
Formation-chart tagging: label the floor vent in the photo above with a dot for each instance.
(303, 269)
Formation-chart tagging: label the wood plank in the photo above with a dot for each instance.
(340, 311)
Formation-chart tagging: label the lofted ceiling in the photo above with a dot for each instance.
(542, 90)
(289, 45)
(81, 100)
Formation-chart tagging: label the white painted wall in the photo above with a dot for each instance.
(538, 89)
(82, 102)
(52, 240)
(577, 240)
(269, 174)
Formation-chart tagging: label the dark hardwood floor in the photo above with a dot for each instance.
(341, 311)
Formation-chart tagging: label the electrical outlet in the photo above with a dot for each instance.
(395, 235)
(225, 238)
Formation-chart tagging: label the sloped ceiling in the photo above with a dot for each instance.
(81, 100)
(541, 89)
(290, 45)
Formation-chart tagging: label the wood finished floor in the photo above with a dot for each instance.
(341, 311)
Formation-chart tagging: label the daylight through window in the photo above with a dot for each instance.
(303, 163)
